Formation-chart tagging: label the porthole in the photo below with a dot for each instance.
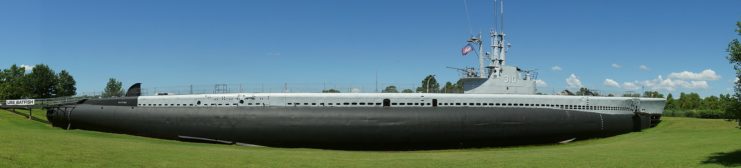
(241, 101)
(198, 103)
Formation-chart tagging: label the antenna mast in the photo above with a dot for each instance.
(498, 47)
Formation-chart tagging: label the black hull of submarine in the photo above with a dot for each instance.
(349, 127)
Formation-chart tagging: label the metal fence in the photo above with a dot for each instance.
(319, 87)
(264, 88)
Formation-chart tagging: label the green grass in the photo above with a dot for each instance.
(676, 142)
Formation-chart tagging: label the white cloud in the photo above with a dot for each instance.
(617, 66)
(644, 68)
(27, 67)
(573, 81)
(684, 80)
(611, 83)
(707, 74)
(631, 85)
(556, 68)
(697, 85)
(670, 84)
(540, 83)
(355, 90)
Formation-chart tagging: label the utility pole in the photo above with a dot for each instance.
(376, 81)
(285, 87)
(428, 82)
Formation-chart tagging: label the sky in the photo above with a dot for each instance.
(670, 46)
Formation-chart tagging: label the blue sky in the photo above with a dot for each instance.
(175, 43)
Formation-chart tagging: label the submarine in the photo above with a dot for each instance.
(499, 106)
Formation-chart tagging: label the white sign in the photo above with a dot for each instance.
(20, 102)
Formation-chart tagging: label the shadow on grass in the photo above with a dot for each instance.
(728, 159)
(24, 113)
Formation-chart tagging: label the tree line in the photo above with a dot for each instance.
(428, 85)
(17, 82)
(692, 105)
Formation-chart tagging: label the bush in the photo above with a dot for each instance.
(714, 114)
(711, 114)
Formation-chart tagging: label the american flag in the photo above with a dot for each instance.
(466, 49)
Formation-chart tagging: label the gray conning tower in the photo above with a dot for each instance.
(497, 77)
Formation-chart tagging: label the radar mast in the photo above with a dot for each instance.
(497, 37)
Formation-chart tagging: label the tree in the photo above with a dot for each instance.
(407, 91)
(113, 88)
(65, 85)
(710, 103)
(689, 101)
(13, 83)
(42, 81)
(586, 92)
(632, 95)
(653, 94)
(726, 100)
(429, 85)
(453, 88)
(734, 57)
(670, 102)
(390, 89)
(331, 91)
(567, 92)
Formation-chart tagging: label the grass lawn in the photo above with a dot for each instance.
(676, 142)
